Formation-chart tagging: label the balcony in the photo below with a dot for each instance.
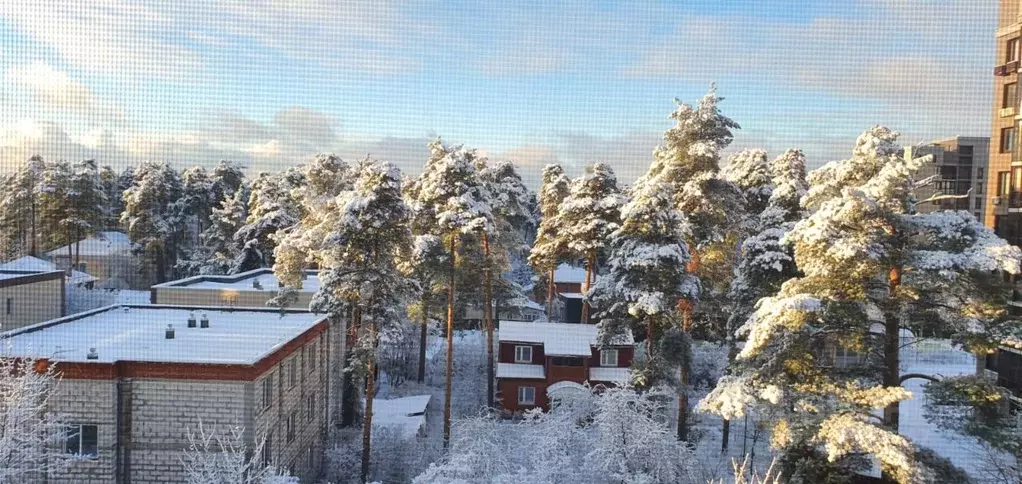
(1006, 112)
(1006, 69)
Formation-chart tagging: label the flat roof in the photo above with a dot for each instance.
(16, 278)
(558, 339)
(138, 333)
(241, 282)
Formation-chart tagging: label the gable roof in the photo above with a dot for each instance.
(558, 339)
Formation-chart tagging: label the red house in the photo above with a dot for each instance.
(539, 359)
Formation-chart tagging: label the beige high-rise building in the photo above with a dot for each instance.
(1004, 184)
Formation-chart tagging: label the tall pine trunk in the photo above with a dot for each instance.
(450, 344)
(686, 326)
(488, 318)
(70, 249)
(422, 335)
(892, 377)
(550, 296)
(367, 425)
(590, 276)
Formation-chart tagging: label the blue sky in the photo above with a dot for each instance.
(270, 83)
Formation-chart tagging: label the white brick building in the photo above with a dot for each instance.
(137, 395)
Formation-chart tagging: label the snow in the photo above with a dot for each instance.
(610, 374)
(407, 414)
(137, 333)
(101, 244)
(569, 274)
(558, 339)
(519, 370)
(36, 265)
(242, 282)
(571, 295)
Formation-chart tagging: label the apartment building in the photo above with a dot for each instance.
(135, 380)
(252, 289)
(537, 360)
(28, 297)
(959, 175)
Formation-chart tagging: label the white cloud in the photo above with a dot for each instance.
(56, 89)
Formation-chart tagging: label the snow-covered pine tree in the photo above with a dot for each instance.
(689, 160)
(153, 214)
(357, 245)
(589, 215)
(511, 205)
(763, 262)
(868, 261)
(450, 191)
(549, 249)
(86, 202)
(750, 172)
(54, 209)
(226, 179)
(273, 206)
(197, 202)
(645, 277)
(114, 202)
(218, 252)
(19, 209)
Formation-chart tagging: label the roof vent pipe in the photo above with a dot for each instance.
(256, 284)
(204, 323)
(170, 331)
(92, 354)
(191, 320)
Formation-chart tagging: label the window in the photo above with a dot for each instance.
(948, 172)
(526, 395)
(608, 357)
(979, 188)
(979, 173)
(10, 305)
(291, 426)
(311, 458)
(523, 354)
(1008, 97)
(1016, 179)
(312, 357)
(566, 361)
(267, 391)
(310, 407)
(267, 453)
(82, 440)
(978, 203)
(292, 372)
(1008, 140)
(1003, 183)
(1011, 50)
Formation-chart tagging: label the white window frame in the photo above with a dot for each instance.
(605, 360)
(267, 391)
(522, 393)
(519, 350)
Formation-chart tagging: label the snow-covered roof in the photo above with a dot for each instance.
(612, 375)
(407, 414)
(242, 282)
(100, 244)
(519, 370)
(530, 304)
(571, 295)
(137, 333)
(558, 339)
(35, 264)
(569, 274)
(877, 328)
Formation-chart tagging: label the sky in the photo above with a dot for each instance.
(270, 83)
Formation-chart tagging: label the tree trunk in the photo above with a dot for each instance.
(422, 336)
(488, 318)
(450, 344)
(892, 328)
(35, 249)
(590, 263)
(367, 425)
(70, 248)
(161, 264)
(550, 296)
(686, 326)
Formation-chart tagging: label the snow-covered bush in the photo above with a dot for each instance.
(222, 457)
(31, 438)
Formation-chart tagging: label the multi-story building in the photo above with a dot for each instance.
(28, 297)
(536, 360)
(252, 289)
(109, 257)
(137, 380)
(959, 175)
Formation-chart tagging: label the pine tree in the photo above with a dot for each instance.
(868, 261)
(689, 160)
(114, 203)
(357, 246)
(549, 249)
(764, 263)
(153, 214)
(54, 211)
(646, 276)
(450, 192)
(19, 209)
(226, 180)
(273, 206)
(197, 200)
(86, 201)
(589, 215)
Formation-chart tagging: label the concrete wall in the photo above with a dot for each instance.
(136, 271)
(186, 296)
(31, 303)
